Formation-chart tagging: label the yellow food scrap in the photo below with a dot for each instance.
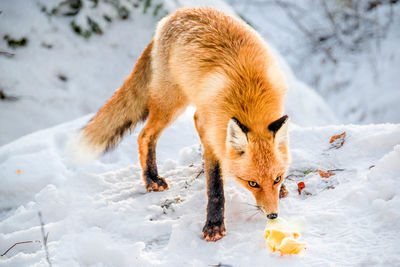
(291, 246)
(280, 239)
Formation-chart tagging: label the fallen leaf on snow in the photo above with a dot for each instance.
(337, 141)
(300, 187)
(325, 174)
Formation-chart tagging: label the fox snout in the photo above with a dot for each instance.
(269, 205)
(272, 216)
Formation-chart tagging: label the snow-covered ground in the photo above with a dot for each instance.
(101, 214)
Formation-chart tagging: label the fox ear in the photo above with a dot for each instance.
(236, 135)
(279, 128)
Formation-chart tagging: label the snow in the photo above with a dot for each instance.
(94, 68)
(172, 5)
(101, 215)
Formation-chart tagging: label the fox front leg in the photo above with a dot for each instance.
(214, 229)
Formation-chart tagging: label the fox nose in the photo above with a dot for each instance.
(272, 216)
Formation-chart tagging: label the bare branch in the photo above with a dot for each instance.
(18, 243)
(332, 21)
(286, 9)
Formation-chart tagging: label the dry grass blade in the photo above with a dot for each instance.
(45, 237)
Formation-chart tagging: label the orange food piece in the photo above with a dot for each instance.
(325, 174)
(280, 239)
(18, 171)
(291, 246)
(274, 238)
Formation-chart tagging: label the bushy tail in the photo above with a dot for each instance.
(127, 107)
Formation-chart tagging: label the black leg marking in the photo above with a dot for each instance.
(153, 181)
(214, 229)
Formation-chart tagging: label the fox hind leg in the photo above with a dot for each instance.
(161, 113)
(147, 149)
(214, 228)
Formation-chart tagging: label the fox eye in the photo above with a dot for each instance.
(253, 184)
(277, 180)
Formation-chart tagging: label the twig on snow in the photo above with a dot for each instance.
(220, 265)
(4, 53)
(200, 173)
(18, 243)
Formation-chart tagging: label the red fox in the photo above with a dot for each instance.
(219, 64)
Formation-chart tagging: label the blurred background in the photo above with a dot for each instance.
(62, 59)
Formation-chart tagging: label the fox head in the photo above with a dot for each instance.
(259, 161)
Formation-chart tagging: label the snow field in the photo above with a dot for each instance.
(101, 215)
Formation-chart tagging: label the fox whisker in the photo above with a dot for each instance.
(246, 211)
(251, 216)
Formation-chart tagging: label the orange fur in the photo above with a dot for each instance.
(226, 70)
(221, 66)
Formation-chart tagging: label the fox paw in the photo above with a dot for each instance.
(283, 192)
(157, 186)
(213, 231)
